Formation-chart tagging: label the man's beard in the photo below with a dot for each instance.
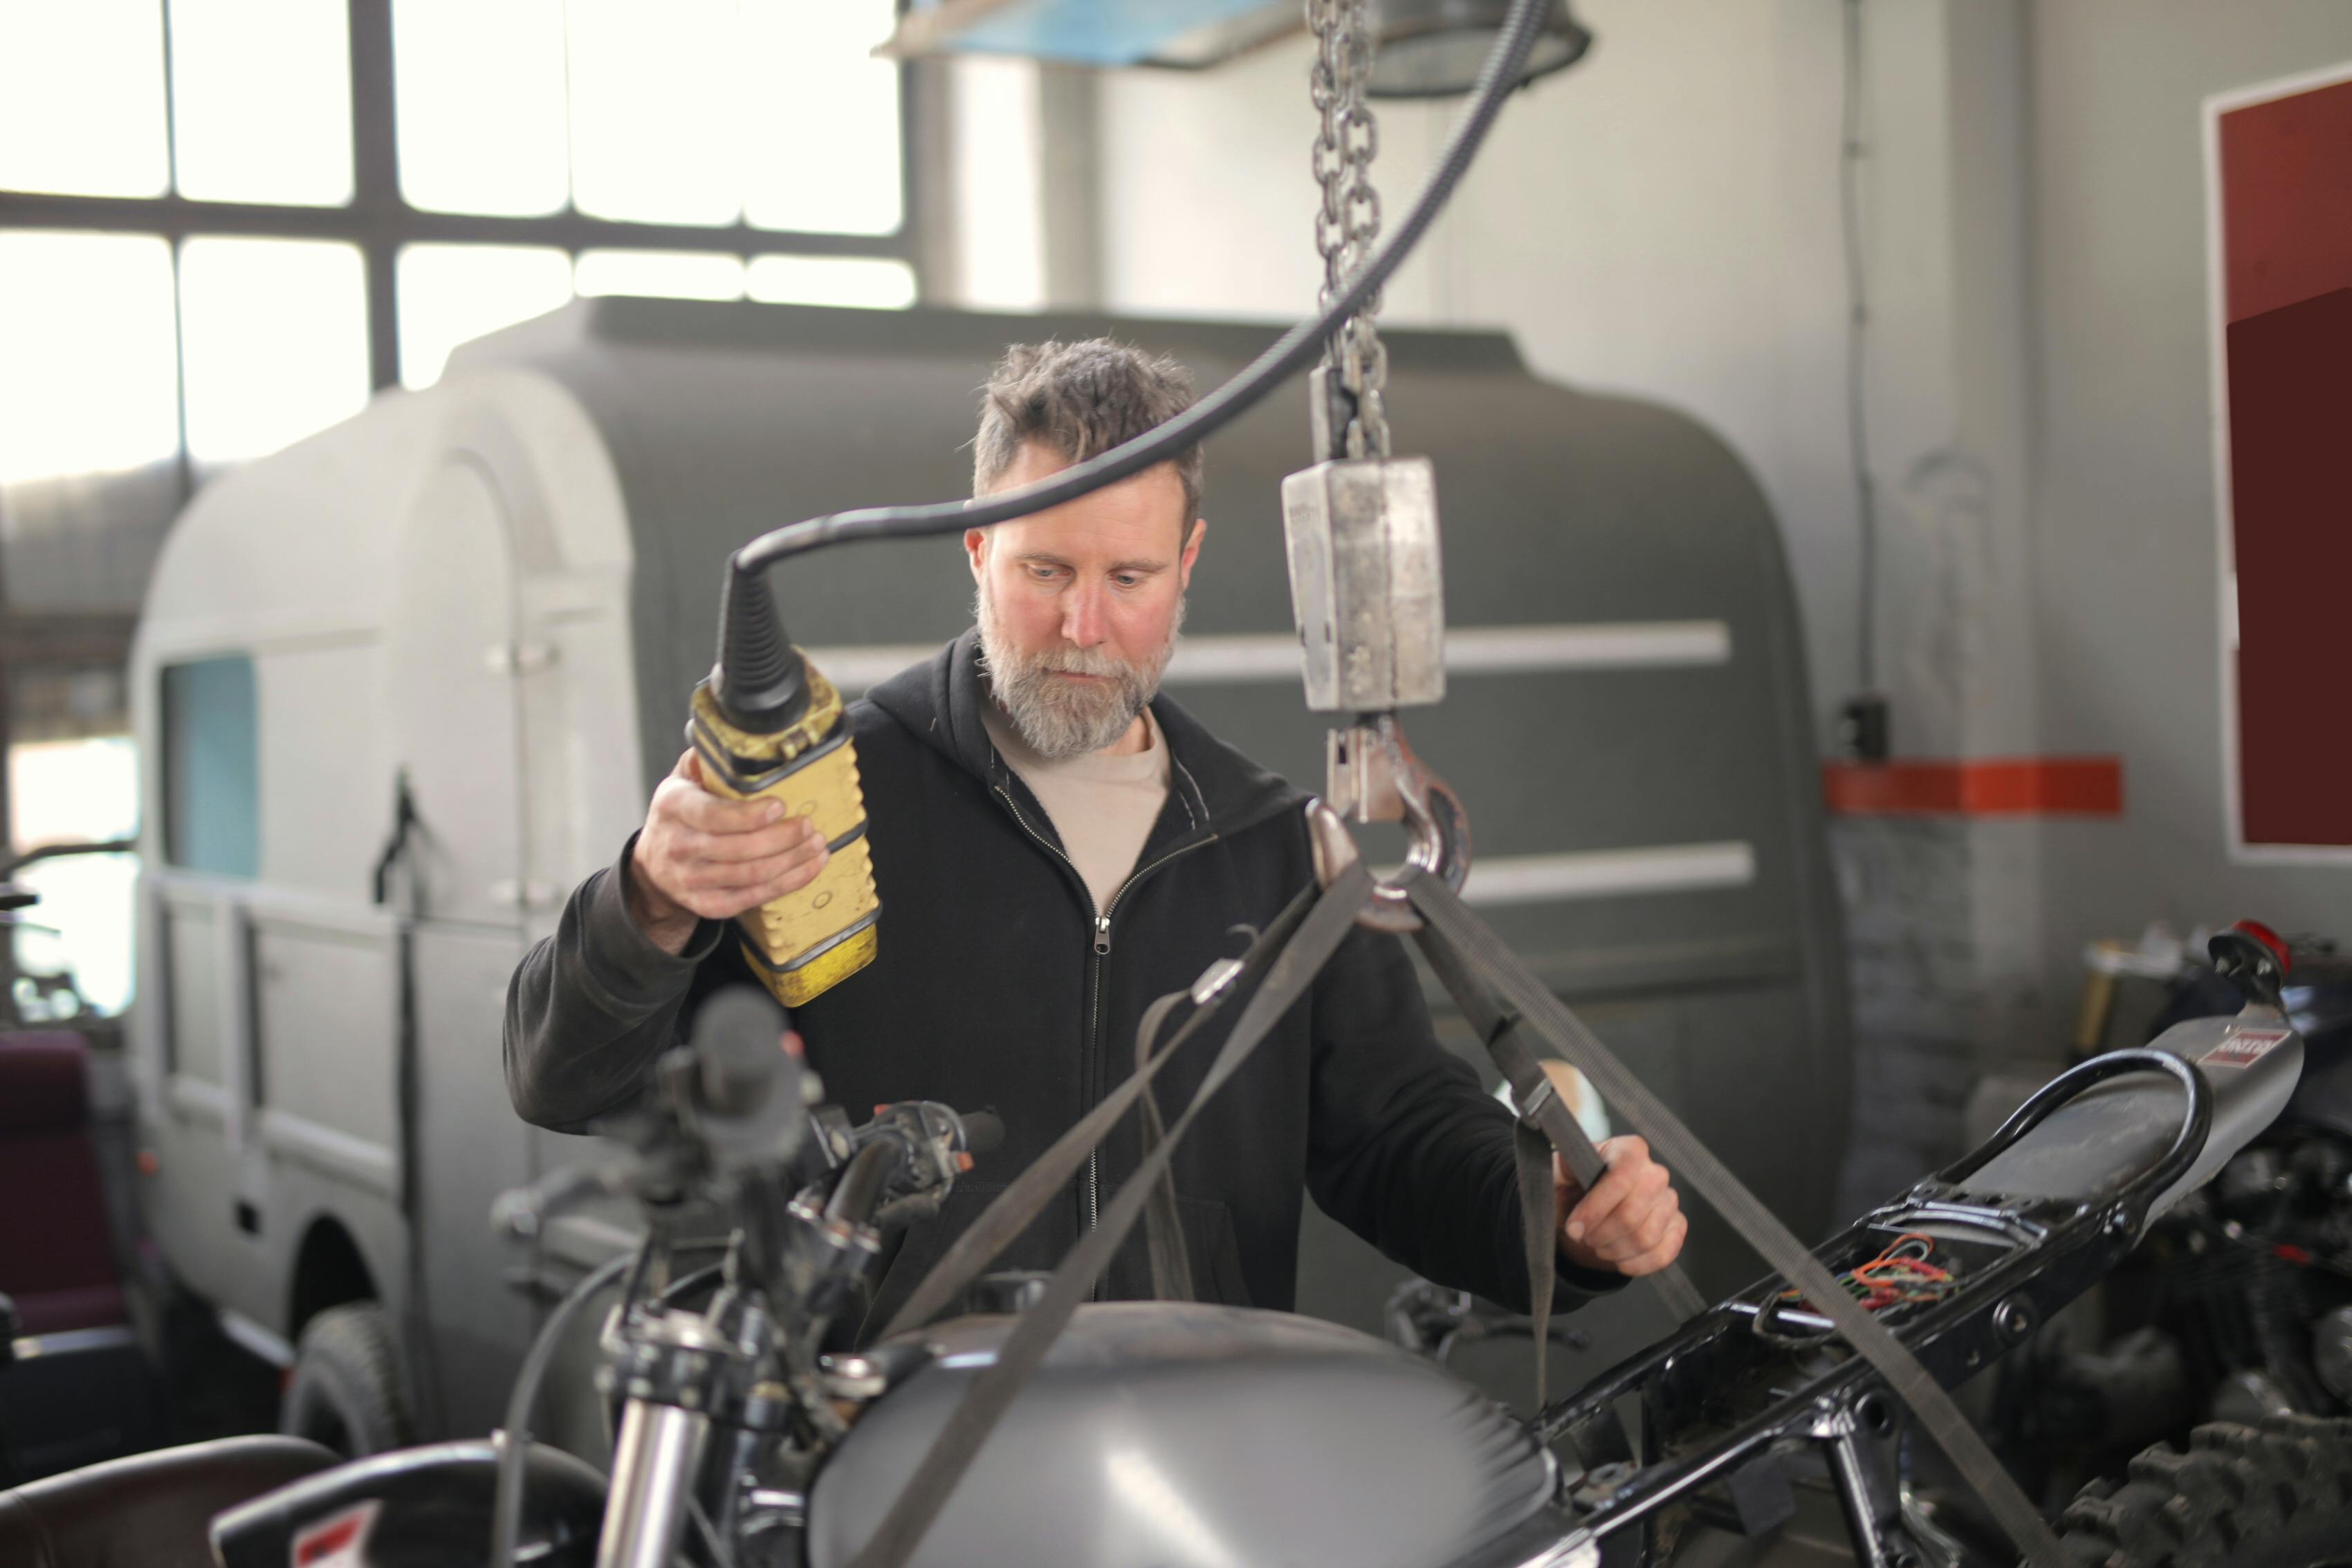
(1065, 719)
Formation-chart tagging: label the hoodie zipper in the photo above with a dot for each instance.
(1101, 943)
(1102, 952)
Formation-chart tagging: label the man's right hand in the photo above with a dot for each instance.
(703, 856)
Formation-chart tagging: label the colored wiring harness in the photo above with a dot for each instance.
(1901, 1276)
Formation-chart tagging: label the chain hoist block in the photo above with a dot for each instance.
(1365, 583)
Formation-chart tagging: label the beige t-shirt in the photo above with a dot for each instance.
(1102, 806)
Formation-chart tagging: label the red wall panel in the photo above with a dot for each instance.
(2285, 203)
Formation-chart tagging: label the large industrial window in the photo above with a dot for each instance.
(225, 223)
(66, 788)
(212, 766)
(730, 134)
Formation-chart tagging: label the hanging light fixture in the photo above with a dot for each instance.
(1432, 49)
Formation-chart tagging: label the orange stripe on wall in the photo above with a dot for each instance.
(1985, 787)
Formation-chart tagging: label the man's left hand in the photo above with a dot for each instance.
(1631, 1222)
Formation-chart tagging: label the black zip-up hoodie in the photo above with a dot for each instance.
(999, 987)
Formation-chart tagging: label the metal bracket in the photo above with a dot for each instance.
(1214, 979)
(1860, 1440)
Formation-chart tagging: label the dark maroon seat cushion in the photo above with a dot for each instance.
(44, 1082)
(56, 1250)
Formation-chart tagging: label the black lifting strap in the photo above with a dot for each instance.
(1018, 1205)
(1539, 1217)
(1485, 956)
(1288, 978)
(1163, 1222)
(1545, 1123)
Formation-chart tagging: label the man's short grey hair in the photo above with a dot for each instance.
(1080, 399)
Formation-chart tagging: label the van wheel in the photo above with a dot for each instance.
(2277, 1496)
(345, 1391)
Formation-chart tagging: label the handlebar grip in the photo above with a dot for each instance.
(739, 1057)
(983, 1131)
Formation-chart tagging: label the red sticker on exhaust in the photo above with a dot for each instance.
(338, 1541)
(2243, 1048)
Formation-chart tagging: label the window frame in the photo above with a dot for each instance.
(379, 220)
(173, 821)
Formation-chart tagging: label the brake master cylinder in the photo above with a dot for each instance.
(767, 725)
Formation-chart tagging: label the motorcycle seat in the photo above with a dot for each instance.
(2098, 1140)
(150, 1510)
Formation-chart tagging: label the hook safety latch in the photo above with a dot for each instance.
(1374, 777)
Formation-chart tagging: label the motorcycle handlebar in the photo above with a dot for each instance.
(859, 1192)
(740, 1063)
(866, 1185)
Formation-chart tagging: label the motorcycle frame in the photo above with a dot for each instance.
(2051, 1250)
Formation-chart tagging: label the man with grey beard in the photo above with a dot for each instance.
(1072, 719)
(1061, 722)
(1057, 845)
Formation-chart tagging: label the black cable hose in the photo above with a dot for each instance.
(1857, 329)
(514, 1446)
(748, 632)
(506, 1498)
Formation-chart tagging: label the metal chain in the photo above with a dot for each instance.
(1348, 220)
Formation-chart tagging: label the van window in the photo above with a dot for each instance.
(212, 766)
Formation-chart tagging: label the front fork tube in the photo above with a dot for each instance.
(656, 1461)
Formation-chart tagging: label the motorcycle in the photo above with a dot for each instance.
(2237, 1306)
(2260, 1293)
(1170, 1432)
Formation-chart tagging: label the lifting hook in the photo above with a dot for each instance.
(1374, 777)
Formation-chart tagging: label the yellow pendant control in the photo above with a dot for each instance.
(806, 943)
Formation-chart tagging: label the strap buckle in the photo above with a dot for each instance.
(1215, 980)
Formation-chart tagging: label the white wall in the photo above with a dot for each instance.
(1660, 220)
(995, 255)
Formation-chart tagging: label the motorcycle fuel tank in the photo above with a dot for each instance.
(1162, 1435)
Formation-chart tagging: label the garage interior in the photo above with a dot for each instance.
(1892, 465)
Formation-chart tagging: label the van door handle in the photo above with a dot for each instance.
(518, 658)
(522, 894)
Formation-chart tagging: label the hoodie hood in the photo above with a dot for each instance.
(939, 701)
